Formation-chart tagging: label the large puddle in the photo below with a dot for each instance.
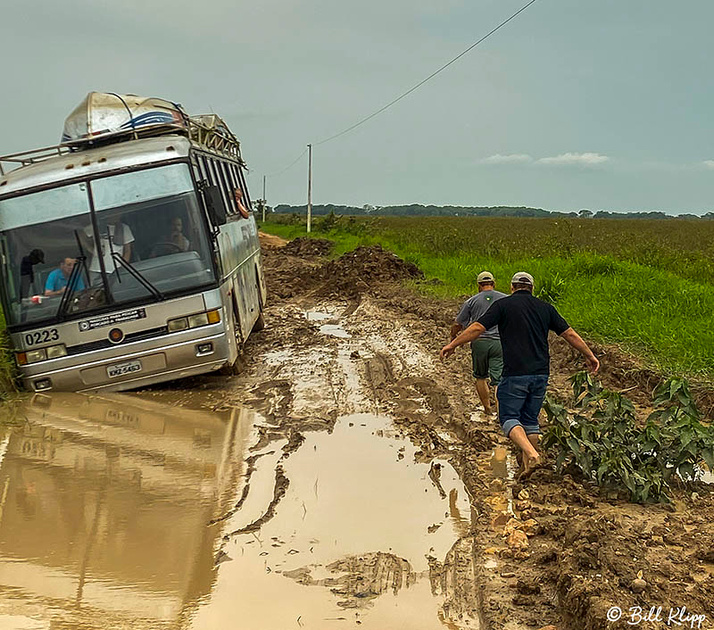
(117, 513)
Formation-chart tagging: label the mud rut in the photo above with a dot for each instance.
(550, 552)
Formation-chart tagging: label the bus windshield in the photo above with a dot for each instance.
(146, 240)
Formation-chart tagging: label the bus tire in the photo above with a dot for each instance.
(259, 323)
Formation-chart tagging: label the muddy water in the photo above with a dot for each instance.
(350, 541)
(104, 502)
(117, 513)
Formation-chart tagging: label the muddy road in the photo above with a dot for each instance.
(342, 477)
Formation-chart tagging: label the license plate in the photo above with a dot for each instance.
(120, 369)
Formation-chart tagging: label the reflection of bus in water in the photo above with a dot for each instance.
(129, 252)
(105, 505)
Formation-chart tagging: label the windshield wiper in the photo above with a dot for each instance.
(116, 258)
(111, 248)
(71, 286)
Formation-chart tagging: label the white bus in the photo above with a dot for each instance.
(129, 252)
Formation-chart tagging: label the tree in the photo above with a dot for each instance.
(585, 214)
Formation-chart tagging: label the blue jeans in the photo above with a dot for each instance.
(519, 401)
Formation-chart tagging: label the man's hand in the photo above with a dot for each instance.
(472, 332)
(446, 351)
(576, 341)
(592, 363)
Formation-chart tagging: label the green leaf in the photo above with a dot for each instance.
(560, 460)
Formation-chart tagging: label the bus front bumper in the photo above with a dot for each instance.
(146, 367)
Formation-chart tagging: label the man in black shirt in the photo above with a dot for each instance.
(27, 273)
(523, 323)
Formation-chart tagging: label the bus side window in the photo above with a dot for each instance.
(196, 168)
(234, 181)
(202, 168)
(227, 188)
(216, 180)
(244, 188)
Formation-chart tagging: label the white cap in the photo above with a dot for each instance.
(522, 277)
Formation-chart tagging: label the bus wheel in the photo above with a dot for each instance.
(259, 323)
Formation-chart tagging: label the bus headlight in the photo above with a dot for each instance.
(194, 321)
(41, 354)
(33, 356)
(199, 319)
(55, 352)
(174, 325)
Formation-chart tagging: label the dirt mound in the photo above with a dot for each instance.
(304, 246)
(270, 240)
(353, 274)
(359, 270)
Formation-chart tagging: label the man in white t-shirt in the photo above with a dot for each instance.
(114, 237)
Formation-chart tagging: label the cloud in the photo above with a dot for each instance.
(564, 159)
(708, 163)
(513, 158)
(577, 159)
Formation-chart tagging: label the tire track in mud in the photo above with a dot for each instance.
(281, 487)
(365, 370)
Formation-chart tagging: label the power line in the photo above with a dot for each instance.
(289, 166)
(431, 76)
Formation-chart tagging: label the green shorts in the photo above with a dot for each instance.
(487, 359)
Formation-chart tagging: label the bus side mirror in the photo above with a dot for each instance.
(214, 205)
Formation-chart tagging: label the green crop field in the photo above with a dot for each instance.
(647, 285)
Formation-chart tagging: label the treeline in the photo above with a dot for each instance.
(418, 210)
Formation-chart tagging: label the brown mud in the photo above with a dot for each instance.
(343, 477)
(549, 550)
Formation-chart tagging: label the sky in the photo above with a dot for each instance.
(604, 105)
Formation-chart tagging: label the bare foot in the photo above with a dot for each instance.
(530, 464)
(519, 461)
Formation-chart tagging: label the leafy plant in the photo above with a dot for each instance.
(605, 443)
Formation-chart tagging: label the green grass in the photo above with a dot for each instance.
(645, 285)
(7, 366)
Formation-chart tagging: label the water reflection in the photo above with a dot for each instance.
(104, 505)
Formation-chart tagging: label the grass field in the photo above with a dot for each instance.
(645, 285)
(7, 370)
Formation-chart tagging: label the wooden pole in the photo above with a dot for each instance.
(265, 202)
(309, 188)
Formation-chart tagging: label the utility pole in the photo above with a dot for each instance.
(309, 187)
(265, 202)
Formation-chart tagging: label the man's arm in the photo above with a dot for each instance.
(456, 328)
(576, 341)
(472, 332)
(462, 319)
(50, 287)
(127, 240)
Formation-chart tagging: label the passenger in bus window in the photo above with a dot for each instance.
(57, 280)
(176, 236)
(238, 194)
(27, 273)
(114, 237)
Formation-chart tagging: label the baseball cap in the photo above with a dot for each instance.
(522, 277)
(484, 276)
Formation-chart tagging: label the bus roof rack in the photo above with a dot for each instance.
(105, 118)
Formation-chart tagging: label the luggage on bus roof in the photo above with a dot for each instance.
(104, 114)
